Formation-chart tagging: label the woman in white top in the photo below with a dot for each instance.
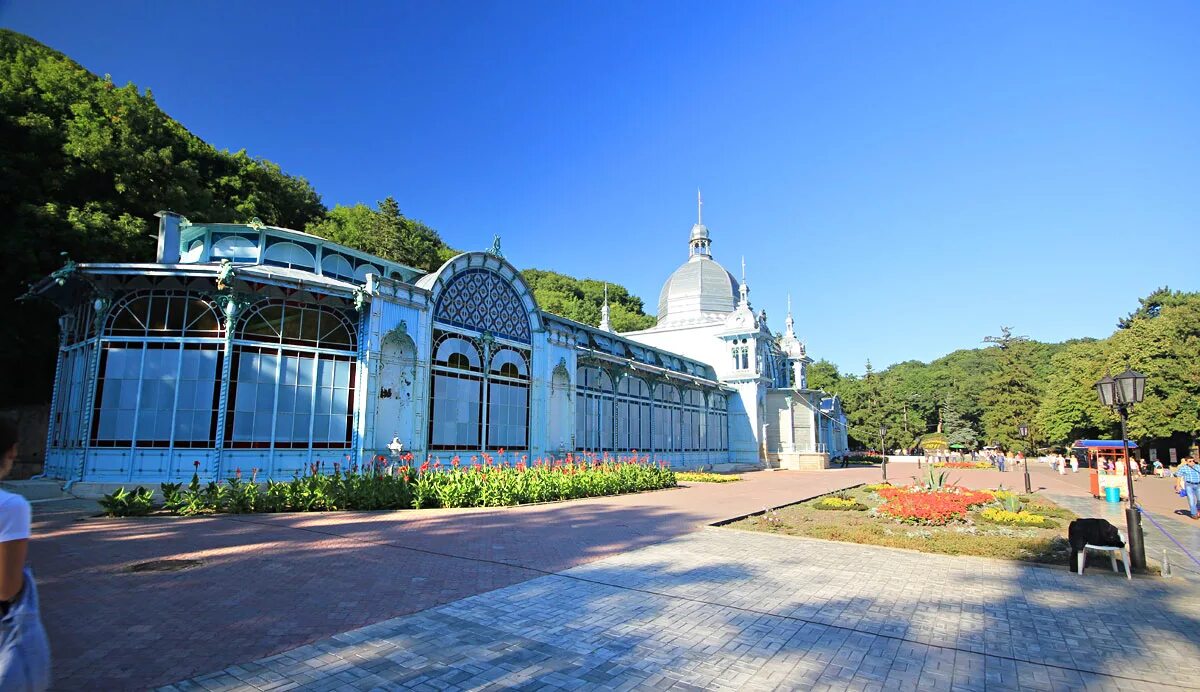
(24, 652)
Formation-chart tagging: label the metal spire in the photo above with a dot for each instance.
(604, 325)
(699, 208)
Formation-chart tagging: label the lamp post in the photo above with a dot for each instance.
(1024, 432)
(1120, 393)
(883, 449)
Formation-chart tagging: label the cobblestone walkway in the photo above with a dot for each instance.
(725, 609)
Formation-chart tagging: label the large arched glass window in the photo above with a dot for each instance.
(481, 365)
(593, 410)
(457, 395)
(159, 362)
(292, 377)
(634, 411)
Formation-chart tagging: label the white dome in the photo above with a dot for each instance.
(698, 286)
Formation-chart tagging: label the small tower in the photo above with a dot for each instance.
(793, 349)
(699, 243)
(604, 325)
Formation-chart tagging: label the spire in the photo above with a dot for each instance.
(699, 241)
(791, 324)
(604, 325)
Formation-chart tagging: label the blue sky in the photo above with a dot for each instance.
(915, 174)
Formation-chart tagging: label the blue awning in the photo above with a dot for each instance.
(1101, 444)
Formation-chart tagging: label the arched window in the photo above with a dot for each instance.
(336, 266)
(159, 359)
(593, 410)
(292, 255)
(635, 407)
(480, 391)
(483, 301)
(363, 269)
(234, 248)
(292, 377)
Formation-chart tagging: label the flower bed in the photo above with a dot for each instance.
(966, 465)
(937, 507)
(702, 477)
(380, 484)
(934, 516)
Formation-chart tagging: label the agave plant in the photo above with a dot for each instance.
(937, 480)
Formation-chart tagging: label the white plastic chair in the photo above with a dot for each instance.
(1113, 553)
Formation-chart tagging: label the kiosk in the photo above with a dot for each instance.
(1096, 454)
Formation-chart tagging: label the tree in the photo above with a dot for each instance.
(959, 431)
(84, 165)
(581, 300)
(1010, 397)
(824, 375)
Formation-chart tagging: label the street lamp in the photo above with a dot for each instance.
(883, 449)
(1120, 393)
(1024, 432)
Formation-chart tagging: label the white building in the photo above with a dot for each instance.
(245, 346)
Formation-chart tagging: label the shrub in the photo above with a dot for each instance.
(123, 503)
(840, 502)
(1049, 511)
(996, 515)
(876, 487)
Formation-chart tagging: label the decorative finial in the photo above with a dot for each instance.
(256, 223)
(604, 325)
(699, 208)
(494, 250)
(743, 269)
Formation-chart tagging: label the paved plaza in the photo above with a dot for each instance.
(726, 609)
(634, 591)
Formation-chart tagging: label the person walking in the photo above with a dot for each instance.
(1189, 483)
(24, 651)
(1074, 464)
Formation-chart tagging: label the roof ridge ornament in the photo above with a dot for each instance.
(494, 250)
(256, 223)
(604, 325)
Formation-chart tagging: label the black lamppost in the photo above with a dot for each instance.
(1024, 431)
(1120, 393)
(883, 449)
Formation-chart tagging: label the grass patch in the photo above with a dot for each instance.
(702, 477)
(975, 535)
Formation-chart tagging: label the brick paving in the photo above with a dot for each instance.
(725, 609)
(270, 583)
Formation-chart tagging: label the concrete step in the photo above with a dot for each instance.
(40, 489)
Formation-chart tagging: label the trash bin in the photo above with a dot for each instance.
(1112, 494)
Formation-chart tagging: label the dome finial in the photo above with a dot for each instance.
(604, 325)
(699, 208)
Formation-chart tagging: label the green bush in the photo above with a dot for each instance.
(995, 515)
(840, 502)
(123, 503)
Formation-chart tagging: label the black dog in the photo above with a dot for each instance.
(1083, 532)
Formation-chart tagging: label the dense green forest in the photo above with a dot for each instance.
(85, 164)
(981, 396)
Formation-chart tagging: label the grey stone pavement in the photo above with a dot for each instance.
(727, 609)
(1180, 539)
